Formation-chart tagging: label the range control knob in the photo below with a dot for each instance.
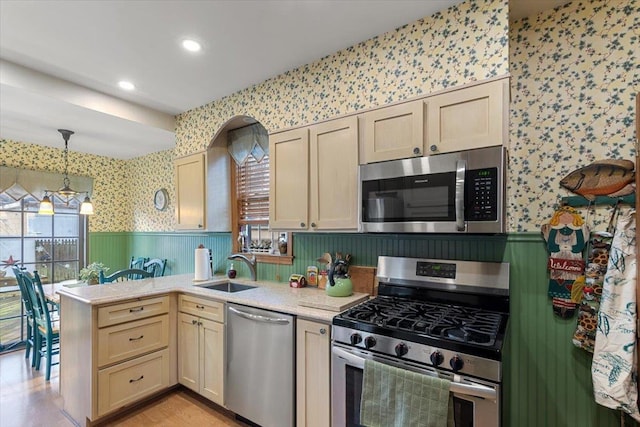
(456, 363)
(401, 349)
(369, 342)
(436, 358)
(355, 339)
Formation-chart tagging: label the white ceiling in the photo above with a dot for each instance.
(60, 61)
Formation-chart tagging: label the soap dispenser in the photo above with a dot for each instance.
(232, 272)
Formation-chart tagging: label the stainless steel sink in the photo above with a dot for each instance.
(229, 287)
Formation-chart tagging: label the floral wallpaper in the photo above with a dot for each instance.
(465, 43)
(110, 197)
(574, 75)
(148, 174)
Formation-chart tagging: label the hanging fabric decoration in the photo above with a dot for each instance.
(598, 256)
(252, 140)
(614, 367)
(565, 236)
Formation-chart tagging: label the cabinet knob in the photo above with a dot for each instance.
(416, 150)
(199, 225)
(433, 148)
(323, 331)
(313, 224)
(302, 224)
(194, 322)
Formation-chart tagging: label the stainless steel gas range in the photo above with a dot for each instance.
(440, 318)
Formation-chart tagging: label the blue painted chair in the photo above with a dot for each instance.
(123, 275)
(155, 266)
(28, 311)
(137, 263)
(47, 331)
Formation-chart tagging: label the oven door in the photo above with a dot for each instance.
(476, 404)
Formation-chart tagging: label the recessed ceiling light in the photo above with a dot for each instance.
(126, 85)
(191, 45)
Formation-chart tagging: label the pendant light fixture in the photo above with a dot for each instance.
(66, 192)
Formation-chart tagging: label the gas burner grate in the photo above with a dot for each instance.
(450, 322)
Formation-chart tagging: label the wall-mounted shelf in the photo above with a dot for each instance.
(579, 201)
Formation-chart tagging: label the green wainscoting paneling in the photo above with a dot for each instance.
(547, 381)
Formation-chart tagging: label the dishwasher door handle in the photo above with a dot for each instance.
(258, 318)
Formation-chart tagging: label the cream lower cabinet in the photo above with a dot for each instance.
(314, 177)
(313, 373)
(190, 178)
(201, 346)
(113, 356)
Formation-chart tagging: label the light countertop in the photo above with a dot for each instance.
(268, 295)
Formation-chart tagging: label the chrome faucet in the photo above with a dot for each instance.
(251, 262)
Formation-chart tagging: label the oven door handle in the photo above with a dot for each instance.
(476, 390)
(461, 169)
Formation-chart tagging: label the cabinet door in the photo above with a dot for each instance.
(395, 132)
(212, 360)
(468, 118)
(289, 179)
(333, 179)
(312, 368)
(190, 192)
(188, 352)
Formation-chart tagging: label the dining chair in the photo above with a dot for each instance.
(28, 311)
(138, 263)
(47, 330)
(123, 275)
(155, 266)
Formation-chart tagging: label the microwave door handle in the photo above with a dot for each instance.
(477, 390)
(461, 168)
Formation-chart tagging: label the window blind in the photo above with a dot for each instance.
(252, 191)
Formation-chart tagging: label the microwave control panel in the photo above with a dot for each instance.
(481, 199)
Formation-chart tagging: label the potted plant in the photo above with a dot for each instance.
(92, 271)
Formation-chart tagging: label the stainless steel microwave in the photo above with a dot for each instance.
(461, 192)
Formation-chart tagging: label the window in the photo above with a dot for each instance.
(251, 198)
(53, 245)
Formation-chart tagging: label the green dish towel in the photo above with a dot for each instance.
(401, 398)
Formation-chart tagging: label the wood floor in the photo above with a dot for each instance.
(27, 400)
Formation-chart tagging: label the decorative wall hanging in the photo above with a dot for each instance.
(565, 236)
(609, 177)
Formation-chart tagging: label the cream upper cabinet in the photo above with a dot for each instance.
(314, 177)
(289, 180)
(313, 393)
(190, 176)
(395, 132)
(468, 118)
(201, 346)
(333, 167)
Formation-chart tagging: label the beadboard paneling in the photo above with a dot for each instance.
(547, 381)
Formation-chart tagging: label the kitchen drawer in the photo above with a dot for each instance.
(133, 310)
(128, 382)
(212, 310)
(127, 340)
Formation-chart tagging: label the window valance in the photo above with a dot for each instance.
(18, 183)
(252, 140)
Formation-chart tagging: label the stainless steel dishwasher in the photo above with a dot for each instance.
(260, 376)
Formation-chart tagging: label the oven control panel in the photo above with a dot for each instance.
(441, 270)
(428, 356)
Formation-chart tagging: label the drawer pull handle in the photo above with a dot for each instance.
(200, 307)
(133, 381)
(133, 310)
(136, 339)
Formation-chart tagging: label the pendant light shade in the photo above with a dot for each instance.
(46, 207)
(86, 208)
(66, 192)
